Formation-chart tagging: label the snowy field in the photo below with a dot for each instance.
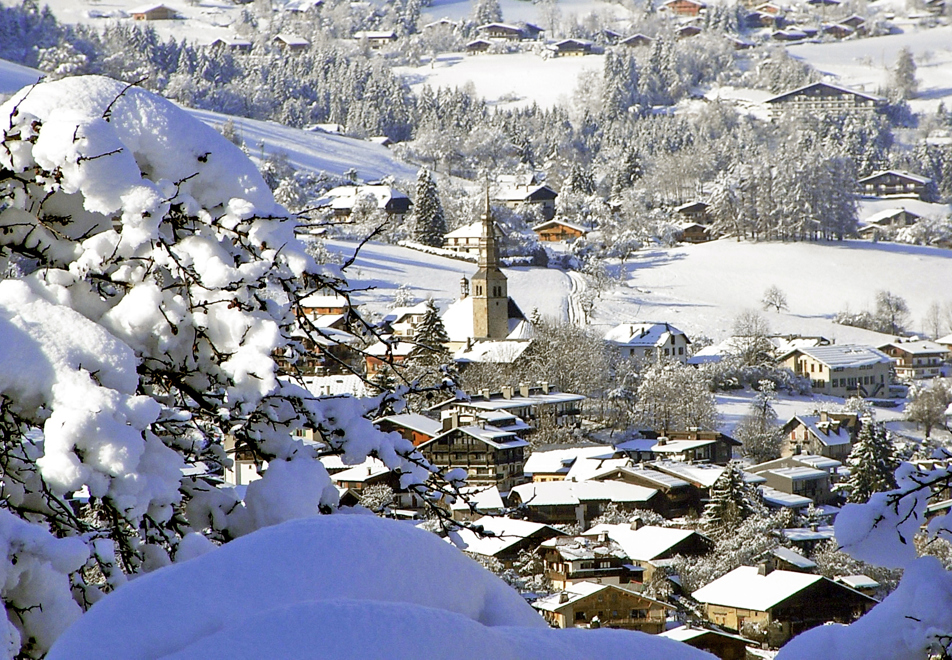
(385, 267)
(864, 63)
(522, 10)
(14, 77)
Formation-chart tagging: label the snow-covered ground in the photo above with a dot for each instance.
(865, 63)
(14, 77)
(702, 288)
(385, 267)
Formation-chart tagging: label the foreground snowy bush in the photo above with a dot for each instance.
(336, 587)
(153, 277)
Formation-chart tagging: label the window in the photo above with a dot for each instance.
(639, 614)
(681, 350)
(667, 352)
(580, 616)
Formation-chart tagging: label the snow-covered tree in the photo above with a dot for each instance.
(929, 405)
(903, 75)
(429, 224)
(431, 339)
(673, 397)
(872, 462)
(158, 277)
(758, 430)
(486, 11)
(774, 298)
(750, 333)
(732, 501)
(892, 313)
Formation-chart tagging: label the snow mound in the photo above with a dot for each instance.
(334, 587)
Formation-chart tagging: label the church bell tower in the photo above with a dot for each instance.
(488, 287)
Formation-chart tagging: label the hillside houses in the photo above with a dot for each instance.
(649, 342)
(842, 369)
(893, 183)
(569, 560)
(823, 97)
(344, 199)
(914, 360)
(649, 546)
(588, 604)
(523, 198)
(577, 502)
(830, 435)
(490, 456)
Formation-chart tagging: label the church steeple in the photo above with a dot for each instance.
(489, 290)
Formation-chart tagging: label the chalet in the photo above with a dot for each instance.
(442, 24)
(558, 230)
(786, 34)
(720, 644)
(946, 343)
(678, 497)
(153, 13)
(588, 605)
(465, 239)
(490, 456)
(568, 560)
(504, 538)
(500, 31)
(693, 232)
(793, 601)
(381, 354)
(570, 47)
(696, 446)
(531, 30)
(636, 41)
(577, 502)
(842, 369)
(794, 460)
(329, 348)
(824, 434)
(291, 44)
(861, 583)
(371, 472)
(687, 31)
(837, 30)
(769, 8)
(883, 224)
(540, 198)
(701, 476)
(404, 321)
(411, 426)
(696, 211)
(684, 7)
(786, 559)
(738, 43)
(319, 304)
(343, 199)
(611, 37)
(803, 481)
(478, 46)
(650, 546)
(858, 23)
(759, 19)
(532, 404)
(376, 38)
(234, 44)
(556, 464)
(823, 97)
(649, 342)
(777, 500)
(303, 6)
(915, 359)
(336, 385)
(477, 501)
(893, 183)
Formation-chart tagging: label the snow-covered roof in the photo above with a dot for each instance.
(579, 590)
(703, 474)
(234, 41)
(829, 433)
(646, 334)
(838, 88)
(369, 469)
(660, 478)
(345, 197)
(473, 231)
(292, 40)
(945, 340)
(746, 588)
(887, 214)
(801, 534)
(556, 493)
(590, 466)
(375, 34)
(458, 321)
(495, 438)
(636, 444)
(507, 532)
(778, 498)
(921, 347)
(398, 314)
(793, 557)
(415, 422)
(574, 548)
(560, 461)
(645, 543)
(395, 349)
(336, 385)
(818, 462)
(484, 498)
(556, 221)
(145, 9)
(858, 581)
(800, 473)
(496, 352)
(680, 446)
(499, 26)
(540, 399)
(844, 355)
(687, 633)
(923, 180)
(520, 193)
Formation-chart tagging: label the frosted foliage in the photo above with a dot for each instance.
(159, 277)
(381, 589)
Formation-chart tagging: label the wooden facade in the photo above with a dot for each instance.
(604, 606)
(820, 97)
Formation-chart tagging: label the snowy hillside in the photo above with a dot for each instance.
(701, 288)
(14, 77)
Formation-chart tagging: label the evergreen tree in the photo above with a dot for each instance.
(732, 501)
(758, 430)
(486, 11)
(431, 339)
(872, 462)
(430, 225)
(903, 79)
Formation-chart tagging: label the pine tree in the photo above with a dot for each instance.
(430, 225)
(732, 501)
(904, 81)
(758, 430)
(431, 339)
(872, 462)
(486, 11)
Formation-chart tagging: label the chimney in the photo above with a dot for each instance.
(523, 389)
(824, 416)
(765, 567)
(450, 420)
(636, 524)
(507, 392)
(603, 537)
(662, 440)
(544, 384)
(484, 394)
(563, 597)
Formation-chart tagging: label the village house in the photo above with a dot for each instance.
(371, 472)
(290, 43)
(696, 446)
(568, 560)
(532, 404)
(858, 23)
(376, 38)
(475, 502)
(793, 601)
(842, 369)
(404, 321)
(578, 502)
(556, 464)
(570, 47)
(823, 97)
(696, 211)
(648, 341)
(701, 475)
(559, 230)
(803, 481)
(787, 34)
(893, 183)
(720, 644)
(523, 198)
(153, 13)
(343, 199)
(329, 347)
(234, 44)
(478, 46)
(320, 304)
(651, 547)
(465, 239)
(500, 31)
(821, 487)
(687, 31)
(441, 24)
(490, 456)
(825, 434)
(504, 538)
(382, 354)
(414, 427)
(861, 583)
(914, 360)
(678, 497)
(636, 41)
(883, 224)
(946, 343)
(693, 232)
(786, 559)
(590, 605)
(689, 8)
